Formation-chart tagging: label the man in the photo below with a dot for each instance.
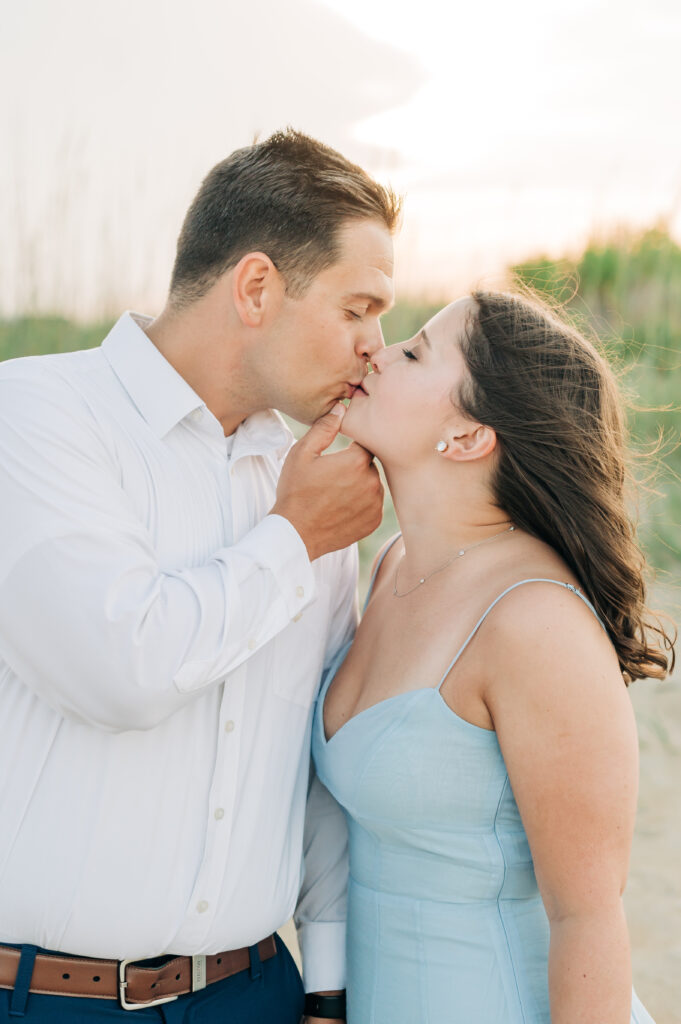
(171, 585)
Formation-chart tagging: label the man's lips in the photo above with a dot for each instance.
(357, 389)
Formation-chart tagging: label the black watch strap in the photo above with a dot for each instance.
(325, 1006)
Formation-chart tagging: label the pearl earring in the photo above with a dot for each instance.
(441, 446)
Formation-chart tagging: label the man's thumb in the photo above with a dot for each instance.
(324, 430)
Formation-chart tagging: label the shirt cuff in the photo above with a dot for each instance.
(322, 948)
(275, 544)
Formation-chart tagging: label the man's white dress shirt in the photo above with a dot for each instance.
(162, 639)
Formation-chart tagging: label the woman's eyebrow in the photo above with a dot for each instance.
(424, 336)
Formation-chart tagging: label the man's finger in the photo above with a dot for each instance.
(324, 431)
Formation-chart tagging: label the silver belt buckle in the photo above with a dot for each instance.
(122, 985)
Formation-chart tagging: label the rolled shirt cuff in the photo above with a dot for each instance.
(322, 948)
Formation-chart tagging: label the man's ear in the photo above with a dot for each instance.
(471, 443)
(256, 285)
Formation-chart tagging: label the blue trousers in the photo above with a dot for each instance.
(269, 992)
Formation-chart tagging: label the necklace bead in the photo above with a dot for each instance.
(459, 554)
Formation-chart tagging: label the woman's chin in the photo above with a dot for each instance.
(356, 427)
(351, 426)
(346, 422)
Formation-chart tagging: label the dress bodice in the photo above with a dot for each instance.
(448, 798)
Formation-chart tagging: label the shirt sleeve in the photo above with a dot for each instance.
(88, 619)
(321, 912)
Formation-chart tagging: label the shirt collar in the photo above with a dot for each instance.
(262, 432)
(164, 398)
(161, 395)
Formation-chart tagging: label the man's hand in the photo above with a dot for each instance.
(331, 500)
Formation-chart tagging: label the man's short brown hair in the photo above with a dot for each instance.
(288, 197)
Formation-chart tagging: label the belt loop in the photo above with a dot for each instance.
(256, 966)
(22, 982)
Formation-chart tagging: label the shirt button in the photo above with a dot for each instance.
(196, 415)
(300, 591)
(229, 726)
(219, 813)
(298, 617)
(252, 644)
(202, 906)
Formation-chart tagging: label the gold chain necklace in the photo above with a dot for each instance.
(459, 554)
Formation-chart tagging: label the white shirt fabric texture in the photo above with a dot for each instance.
(162, 639)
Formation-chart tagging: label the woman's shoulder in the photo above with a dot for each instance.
(545, 609)
(535, 596)
(543, 634)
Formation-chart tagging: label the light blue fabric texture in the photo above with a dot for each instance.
(445, 921)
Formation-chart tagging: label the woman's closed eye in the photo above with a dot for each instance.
(409, 354)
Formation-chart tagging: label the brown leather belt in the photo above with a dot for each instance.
(133, 984)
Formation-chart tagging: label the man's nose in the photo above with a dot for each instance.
(372, 341)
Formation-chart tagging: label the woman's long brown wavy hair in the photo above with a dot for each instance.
(561, 473)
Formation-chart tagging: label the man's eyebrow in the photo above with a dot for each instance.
(375, 300)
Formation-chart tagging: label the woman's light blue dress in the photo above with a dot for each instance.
(445, 921)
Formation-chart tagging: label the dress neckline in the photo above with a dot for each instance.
(333, 669)
(342, 654)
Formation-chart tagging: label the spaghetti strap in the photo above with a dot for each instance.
(378, 566)
(482, 618)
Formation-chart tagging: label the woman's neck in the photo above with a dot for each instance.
(440, 513)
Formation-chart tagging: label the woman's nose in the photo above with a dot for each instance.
(378, 360)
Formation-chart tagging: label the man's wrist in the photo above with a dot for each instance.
(319, 1004)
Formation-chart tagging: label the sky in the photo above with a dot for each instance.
(512, 130)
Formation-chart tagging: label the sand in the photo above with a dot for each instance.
(653, 895)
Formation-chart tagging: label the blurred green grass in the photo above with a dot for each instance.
(39, 335)
(625, 288)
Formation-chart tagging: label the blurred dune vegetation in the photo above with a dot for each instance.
(626, 289)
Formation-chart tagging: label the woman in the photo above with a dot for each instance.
(478, 732)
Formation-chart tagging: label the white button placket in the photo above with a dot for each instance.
(219, 812)
(221, 799)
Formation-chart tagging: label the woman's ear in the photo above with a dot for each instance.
(256, 284)
(470, 444)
